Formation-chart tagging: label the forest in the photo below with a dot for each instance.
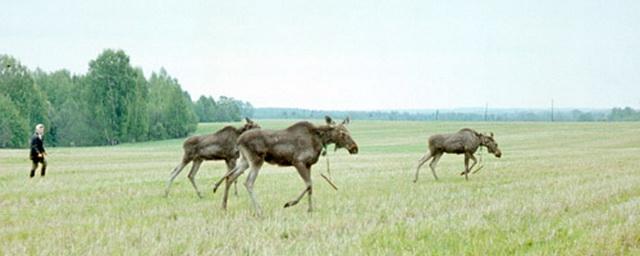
(112, 103)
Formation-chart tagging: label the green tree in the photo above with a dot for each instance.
(228, 109)
(72, 126)
(112, 95)
(57, 87)
(205, 108)
(14, 131)
(171, 113)
(246, 109)
(18, 85)
(138, 117)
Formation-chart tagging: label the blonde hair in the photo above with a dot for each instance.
(39, 125)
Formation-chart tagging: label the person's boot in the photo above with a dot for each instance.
(42, 172)
(33, 173)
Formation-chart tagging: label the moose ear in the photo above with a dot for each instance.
(346, 120)
(329, 120)
(491, 134)
(248, 120)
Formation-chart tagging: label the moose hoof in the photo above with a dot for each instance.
(288, 204)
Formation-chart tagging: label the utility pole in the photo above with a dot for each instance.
(486, 110)
(551, 110)
(437, 112)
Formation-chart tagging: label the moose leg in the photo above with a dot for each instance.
(175, 173)
(466, 166)
(192, 175)
(242, 162)
(422, 160)
(310, 185)
(433, 163)
(231, 163)
(467, 157)
(232, 176)
(305, 173)
(253, 174)
(474, 162)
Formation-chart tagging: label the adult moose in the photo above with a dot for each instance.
(299, 145)
(466, 141)
(218, 146)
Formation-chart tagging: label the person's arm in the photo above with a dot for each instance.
(41, 147)
(34, 145)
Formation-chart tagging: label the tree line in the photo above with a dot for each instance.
(474, 114)
(112, 103)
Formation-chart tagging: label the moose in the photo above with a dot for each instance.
(218, 146)
(299, 145)
(466, 141)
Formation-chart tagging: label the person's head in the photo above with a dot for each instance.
(40, 129)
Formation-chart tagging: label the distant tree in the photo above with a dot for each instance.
(18, 85)
(57, 86)
(246, 109)
(170, 111)
(112, 94)
(138, 116)
(72, 126)
(228, 109)
(624, 114)
(14, 131)
(190, 120)
(205, 108)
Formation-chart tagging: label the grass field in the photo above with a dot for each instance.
(560, 188)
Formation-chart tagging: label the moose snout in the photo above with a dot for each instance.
(498, 154)
(353, 149)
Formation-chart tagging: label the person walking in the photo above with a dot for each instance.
(37, 151)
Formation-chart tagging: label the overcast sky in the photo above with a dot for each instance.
(352, 55)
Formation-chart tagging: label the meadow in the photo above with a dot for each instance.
(559, 188)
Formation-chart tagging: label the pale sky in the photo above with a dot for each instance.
(351, 55)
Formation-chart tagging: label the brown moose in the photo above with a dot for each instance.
(218, 146)
(466, 141)
(299, 145)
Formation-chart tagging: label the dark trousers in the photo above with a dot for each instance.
(34, 166)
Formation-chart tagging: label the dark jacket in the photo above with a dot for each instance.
(37, 146)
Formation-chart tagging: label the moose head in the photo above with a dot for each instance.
(250, 124)
(490, 143)
(340, 135)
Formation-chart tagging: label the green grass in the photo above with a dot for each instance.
(560, 188)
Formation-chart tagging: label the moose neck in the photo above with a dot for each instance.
(324, 132)
(479, 136)
(482, 141)
(240, 130)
